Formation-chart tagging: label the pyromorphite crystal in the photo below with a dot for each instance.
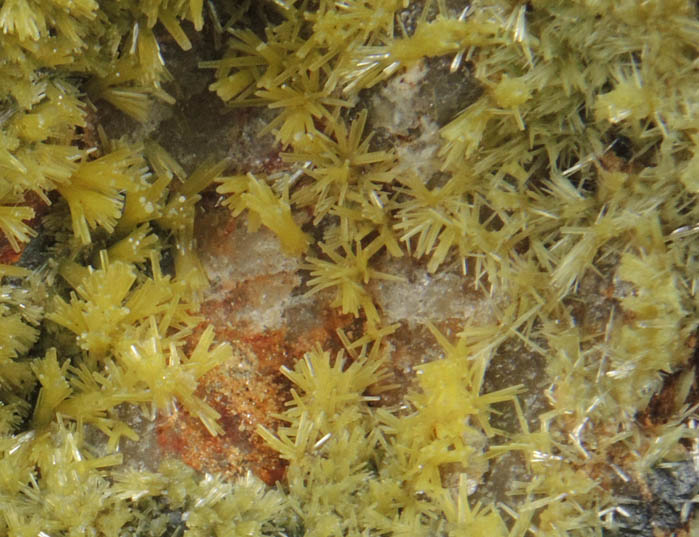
(558, 204)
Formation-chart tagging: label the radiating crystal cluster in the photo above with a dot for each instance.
(430, 265)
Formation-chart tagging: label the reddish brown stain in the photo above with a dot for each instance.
(7, 254)
(249, 390)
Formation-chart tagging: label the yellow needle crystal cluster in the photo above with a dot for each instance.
(576, 160)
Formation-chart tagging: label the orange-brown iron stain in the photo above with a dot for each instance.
(85, 137)
(247, 391)
(8, 255)
(243, 401)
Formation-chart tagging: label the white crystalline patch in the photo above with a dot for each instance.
(252, 270)
(395, 105)
(428, 297)
(399, 108)
(420, 154)
(246, 255)
(267, 301)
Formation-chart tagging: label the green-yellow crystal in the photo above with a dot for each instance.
(579, 156)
